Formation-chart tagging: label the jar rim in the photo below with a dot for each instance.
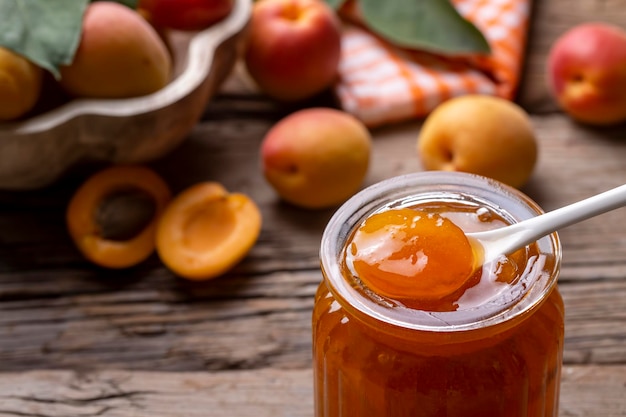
(526, 296)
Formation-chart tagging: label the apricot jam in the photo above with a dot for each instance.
(411, 254)
(487, 345)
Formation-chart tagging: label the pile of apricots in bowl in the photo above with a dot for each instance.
(127, 85)
(122, 52)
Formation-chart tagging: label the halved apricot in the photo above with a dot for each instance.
(90, 207)
(206, 230)
(411, 254)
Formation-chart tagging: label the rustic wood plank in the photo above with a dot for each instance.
(58, 310)
(593, 391)
(585, 391)
(239, 322)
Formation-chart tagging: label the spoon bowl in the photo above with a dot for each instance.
(508, 239)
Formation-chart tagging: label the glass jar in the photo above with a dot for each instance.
(495, 351)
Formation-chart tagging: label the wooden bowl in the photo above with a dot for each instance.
(34, 152)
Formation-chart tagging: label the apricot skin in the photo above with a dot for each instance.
(482, 135)
(205, 231)
(587, 73)
(20, 85)
(120, 55)
(294, 48)
(317, 157)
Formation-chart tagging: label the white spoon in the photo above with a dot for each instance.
(508, 239)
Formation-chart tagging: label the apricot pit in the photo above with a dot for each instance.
(206, 230)
(94, 216)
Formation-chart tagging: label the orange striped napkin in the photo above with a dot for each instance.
(380, 83)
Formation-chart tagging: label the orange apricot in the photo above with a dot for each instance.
(84, 215)
(411, 254)
(206, 230)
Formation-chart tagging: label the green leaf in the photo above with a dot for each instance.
(47, 32)
(335, 4)
(433, 25)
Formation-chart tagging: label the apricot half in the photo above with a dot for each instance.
(206, 230)
(85, 219)
(410, 254)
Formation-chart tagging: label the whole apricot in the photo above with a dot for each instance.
(587, 73)
(120, 55)
(479, 134)
(316, 157)
(20, 84)
(294, 47)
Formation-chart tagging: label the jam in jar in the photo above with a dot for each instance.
(390, 341)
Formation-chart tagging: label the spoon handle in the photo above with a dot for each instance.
(511, 238)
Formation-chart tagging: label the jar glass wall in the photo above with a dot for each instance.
(494, 350)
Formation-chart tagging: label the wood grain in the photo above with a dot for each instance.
(586, 391)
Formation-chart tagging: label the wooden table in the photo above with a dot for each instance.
(79, 341)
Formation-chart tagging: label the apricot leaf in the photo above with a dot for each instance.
(47, 32)
(433, 25)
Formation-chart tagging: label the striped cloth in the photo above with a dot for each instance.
(381, 84)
